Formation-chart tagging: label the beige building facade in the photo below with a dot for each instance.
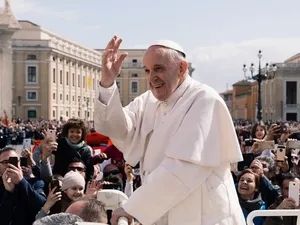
(53, 77)
(281, 95)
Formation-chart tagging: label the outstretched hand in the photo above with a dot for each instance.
(111, 62)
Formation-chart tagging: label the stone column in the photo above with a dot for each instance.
(6, 76)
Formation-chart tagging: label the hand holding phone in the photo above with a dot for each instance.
(51, 134)
(280, 153)
(13, 161)
(294, 191)
(24, 161)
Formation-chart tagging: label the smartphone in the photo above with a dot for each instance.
(293, 144)
(27, 144)
(266, 145)
(57, 184)
(280, 153)
(13, 161)
(51, 134)
(294, 191)
(24, 161)
(249, 142)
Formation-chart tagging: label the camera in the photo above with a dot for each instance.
(249, 142)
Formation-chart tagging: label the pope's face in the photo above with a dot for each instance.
(163, 74)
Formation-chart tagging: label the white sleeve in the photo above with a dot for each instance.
(128, 190)
(105, 93)
(166, 186)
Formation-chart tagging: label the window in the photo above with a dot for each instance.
(134, 75)
(83, 78)
(53, 59)
(54, 75)
(73, 98)
(67, 97)
(60, 97)
(67, 78)
(31, 57)
(53, 96)
(78, 80)
(60, 77)
(67, 113)
(291, 92)
(134, 87)
(53, 113)
(31, 96)
(134, 61)
(31, 113)
(73, 79)
(93, 83)
(31, 74)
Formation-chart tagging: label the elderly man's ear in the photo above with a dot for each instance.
(183, 67)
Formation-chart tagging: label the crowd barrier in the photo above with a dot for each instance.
(275, 212)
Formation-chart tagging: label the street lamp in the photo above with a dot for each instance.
(268, 73)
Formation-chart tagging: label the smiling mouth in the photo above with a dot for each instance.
(158, 85)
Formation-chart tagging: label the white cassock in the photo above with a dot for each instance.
(185, 146)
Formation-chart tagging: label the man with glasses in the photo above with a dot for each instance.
(21, 199)
(77, 165)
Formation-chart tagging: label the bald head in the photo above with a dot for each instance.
(89, 209)
(76, 207)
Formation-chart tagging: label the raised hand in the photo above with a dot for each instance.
(111, 62)
(8, 184)
(53, 197)
(129, 172)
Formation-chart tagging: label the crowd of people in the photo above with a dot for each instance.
(64, 175)
(61, 174)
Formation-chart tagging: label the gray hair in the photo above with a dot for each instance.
(174, 56)
(61, 218)
(93, 211)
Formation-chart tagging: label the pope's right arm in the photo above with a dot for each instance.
(111, 119)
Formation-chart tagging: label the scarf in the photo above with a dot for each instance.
(75, 146)
(250, 205)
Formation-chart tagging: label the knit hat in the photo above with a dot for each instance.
(72, 179)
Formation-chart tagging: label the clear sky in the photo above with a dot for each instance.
(219, 36)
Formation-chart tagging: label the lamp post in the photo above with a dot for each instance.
(268, 73)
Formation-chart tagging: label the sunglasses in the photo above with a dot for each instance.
(79, 169)
(113, 172)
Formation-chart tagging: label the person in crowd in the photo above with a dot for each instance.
(269, 192)
(284, 202)
(89, 209)
(21, 198)
(70, 146)
(61, 218)
(72, 188)
(178, 127)
(249, 196)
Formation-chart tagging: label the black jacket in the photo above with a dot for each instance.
(65, 153)
(21, 206)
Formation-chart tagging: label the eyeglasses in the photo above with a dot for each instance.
(4, 162)
(79, 169)
(113, 172)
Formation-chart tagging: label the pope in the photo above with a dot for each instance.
(181, 133)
